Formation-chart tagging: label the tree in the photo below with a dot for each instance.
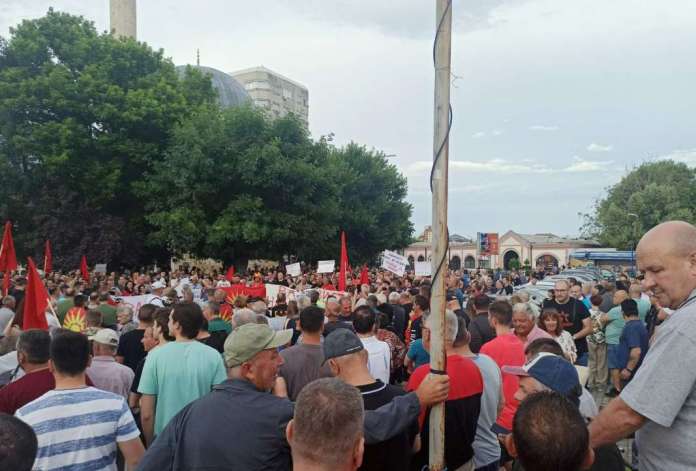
(650, 194)
(236, 185)
(82, 117)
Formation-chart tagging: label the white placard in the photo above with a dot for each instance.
(100, 268)
(423, 268)
(326, 266)
(394, 262)
(293, 269)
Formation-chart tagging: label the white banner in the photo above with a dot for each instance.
(293, 269)
(135, 302)
(326, 266)
(394, 262)
(423, 268)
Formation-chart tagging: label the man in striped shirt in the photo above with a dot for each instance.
(79, 427)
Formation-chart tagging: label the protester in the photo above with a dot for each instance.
(421, 308)
(334, 320)
(396, 347)
(633, 343)
(348, 359)
(304, 362)
(379, 355)
(504, 349)
(399, 315)
(124, 317)
(7, 311)
(242, 407)
(575, 318)
(613, 322)
(177, 373)
(524, 322)
(130, 346)
(105, 420)
(549, 435)
(486, 446)
(18, 444)
(552, 322)
(463, 404)
(331, 410)
(105, 372)
(479, 327)
(636, 294)
(597, 347)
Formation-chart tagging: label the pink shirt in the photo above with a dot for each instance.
(108, 375)
(537, 333)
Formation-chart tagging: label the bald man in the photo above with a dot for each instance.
(659, 404)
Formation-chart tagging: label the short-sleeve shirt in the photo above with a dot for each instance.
(130, 347)
(634, 335)
(486, 444)
(418, 354)
(507, 350)
(303, 363)
(664, 391)
(179, 373)
(79, 428)
(217, 324)
(613, 329)
(573, 313)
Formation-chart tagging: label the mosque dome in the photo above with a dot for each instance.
(230, 92)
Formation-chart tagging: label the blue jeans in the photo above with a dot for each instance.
(582, 359)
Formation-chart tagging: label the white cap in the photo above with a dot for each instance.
(106, 337)
(159, 284)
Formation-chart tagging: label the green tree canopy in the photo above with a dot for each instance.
(654, 192)
(82, 117)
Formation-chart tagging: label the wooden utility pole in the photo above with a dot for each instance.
(438, 360)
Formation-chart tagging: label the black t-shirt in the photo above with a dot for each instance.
(574, 312)
(481, 331)
(130, 347)
(138, 374)
(216, 340)
(395, 453)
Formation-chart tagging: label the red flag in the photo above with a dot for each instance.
(83, 269)
(344, 264)
(35, 300)
(230, 273)
(251, 291)
(8, 257)
(48, 258)
(364, 276)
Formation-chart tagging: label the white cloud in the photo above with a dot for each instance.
(594, 147)
(687, 156)
(581, 165)
(496, 132)
(543, 127)
(502, 166)
(479, 135)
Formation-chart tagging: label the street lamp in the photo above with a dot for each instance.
(634, 237)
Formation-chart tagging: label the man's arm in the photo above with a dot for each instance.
(633, 358)
(132, 451)
(586, 329)
(133, 400)
(147, 416)
(616, 421)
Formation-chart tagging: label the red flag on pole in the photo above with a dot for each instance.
(364, 276)
(344, 264)
(35, 300)
(8, 257)
(230, 273)
(83, 269)
(48, 258)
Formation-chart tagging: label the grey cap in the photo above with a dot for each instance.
(341, 342)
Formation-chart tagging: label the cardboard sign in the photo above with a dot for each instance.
(326, 266)
(394, 262)
(100, 268)
(135, 302)
(423, 268)
(293, 269)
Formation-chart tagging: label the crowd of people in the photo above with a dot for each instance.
(198, 380)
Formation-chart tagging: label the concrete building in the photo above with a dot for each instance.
(122, 16)
(538, 249)
(275, 93)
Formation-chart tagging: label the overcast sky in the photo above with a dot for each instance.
(553, 100)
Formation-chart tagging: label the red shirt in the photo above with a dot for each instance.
(506, 350)
(27, 388)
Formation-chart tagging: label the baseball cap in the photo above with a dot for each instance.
(159, 284)
(106, 337)
(341, 342)
(550, 370)
(246, 341)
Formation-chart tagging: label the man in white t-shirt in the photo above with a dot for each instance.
(379, 354)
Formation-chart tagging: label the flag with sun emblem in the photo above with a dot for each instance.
(75, 319)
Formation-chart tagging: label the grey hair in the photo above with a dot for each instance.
(259, 307)
(525, 308)
(394, 297)
(303, 301)
(451, 325)
(333, 410)
(243, 316)
(124, 308)
(9, 299)
(523, 295)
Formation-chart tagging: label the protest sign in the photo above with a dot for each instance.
(423, 268)
(326, 266)
(135, 302)
(100, 268)
(394, 262)
(293, 269)
(272, 292)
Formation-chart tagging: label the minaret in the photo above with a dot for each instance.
(123, 18)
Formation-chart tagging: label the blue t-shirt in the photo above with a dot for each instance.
(634, 335)
(417, 354)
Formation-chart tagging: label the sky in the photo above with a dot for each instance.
(553, 100)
